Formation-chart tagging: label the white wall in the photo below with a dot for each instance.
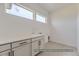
(36, 8)
(11, 26)
(63, 23)
(78, 28)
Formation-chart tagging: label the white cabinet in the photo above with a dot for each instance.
(26, 47)
(22, 48)
(6, 53)
(42, 42)
(5, 50)
(37, 44)
(35, 47)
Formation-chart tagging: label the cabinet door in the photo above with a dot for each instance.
(35, 47)
(6, 53)
(4, 50)
(42, 44)
(24, 50)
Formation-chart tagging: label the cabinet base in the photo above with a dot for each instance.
(38, 53)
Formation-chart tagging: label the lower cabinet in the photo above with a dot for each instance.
(42, 44)
(35, 48)
(5, 50)
(6, 53)
(24, 50)
(37, 45)
(30, 47)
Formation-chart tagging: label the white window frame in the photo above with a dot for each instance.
(33, 11)
(40, 14)
(26, 8)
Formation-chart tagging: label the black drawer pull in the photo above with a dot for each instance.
(23, 43)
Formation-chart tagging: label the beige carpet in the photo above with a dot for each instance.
(56, 49)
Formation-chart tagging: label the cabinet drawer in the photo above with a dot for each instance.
(4, 47)
(37, 38)
(19, 43)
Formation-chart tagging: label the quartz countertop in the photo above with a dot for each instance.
(9, 38)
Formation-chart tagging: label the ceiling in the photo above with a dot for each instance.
(51, 7)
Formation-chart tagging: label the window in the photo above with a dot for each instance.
(40, 18)
(19, 11)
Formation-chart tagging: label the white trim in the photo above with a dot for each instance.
(29, 9)
(37, 13)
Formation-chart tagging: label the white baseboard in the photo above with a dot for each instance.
(64, 44)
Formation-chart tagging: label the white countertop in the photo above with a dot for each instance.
(8, 39)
